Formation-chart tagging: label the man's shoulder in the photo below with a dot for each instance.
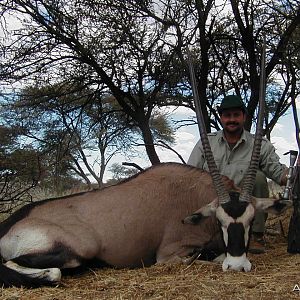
(265, 142)
(216, 133)
(215, 138)
(212, 134)
(250, 134)
(264, 139)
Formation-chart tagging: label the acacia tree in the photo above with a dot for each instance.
(70, 125)
(226, 42)
(79, 130)
(100, 43)
(19, 170)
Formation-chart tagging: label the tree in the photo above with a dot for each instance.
(226, 40)
(78, 130)
(69, 127)
(134, 51)
(255, 20)
(105, 44)
(121, 172)
(19, 170)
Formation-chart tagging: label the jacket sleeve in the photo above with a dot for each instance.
(197, 157)
(270, 163)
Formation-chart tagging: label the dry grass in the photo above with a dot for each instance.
(273, 276)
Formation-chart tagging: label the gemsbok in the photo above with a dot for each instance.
(168, 213)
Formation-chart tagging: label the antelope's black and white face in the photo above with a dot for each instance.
(235, 219)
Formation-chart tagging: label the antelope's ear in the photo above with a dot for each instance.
(274, 206)
(206, 211)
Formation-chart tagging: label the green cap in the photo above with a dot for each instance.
(231, 101)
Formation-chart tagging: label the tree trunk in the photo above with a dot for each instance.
(253, 102)
(149, 143)
(103, 164)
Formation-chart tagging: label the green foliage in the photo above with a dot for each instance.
(161, 128)
(16, 161)
(121, 172)
(19, 170)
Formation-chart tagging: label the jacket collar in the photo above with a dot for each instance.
(243, 138)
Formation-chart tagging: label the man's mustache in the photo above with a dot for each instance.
(232, 123)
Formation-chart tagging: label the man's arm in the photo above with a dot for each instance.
(270, 164)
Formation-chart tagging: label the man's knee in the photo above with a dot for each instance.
(261, 188)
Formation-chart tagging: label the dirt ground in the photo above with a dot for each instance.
(274, 275)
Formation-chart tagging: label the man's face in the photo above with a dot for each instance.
(233, 120)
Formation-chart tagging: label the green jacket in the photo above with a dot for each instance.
(234, 163)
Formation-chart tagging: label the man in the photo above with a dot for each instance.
(232, 149)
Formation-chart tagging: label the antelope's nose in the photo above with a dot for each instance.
(237, 263)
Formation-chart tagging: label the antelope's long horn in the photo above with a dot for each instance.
(222, 194)
(249, 179)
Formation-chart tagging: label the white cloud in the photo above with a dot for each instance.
(177, 111)
(278, 127)
(12, 22)
(184, 111)
(283, 145)
(183, 136)
(298, 103)
(184, 143)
